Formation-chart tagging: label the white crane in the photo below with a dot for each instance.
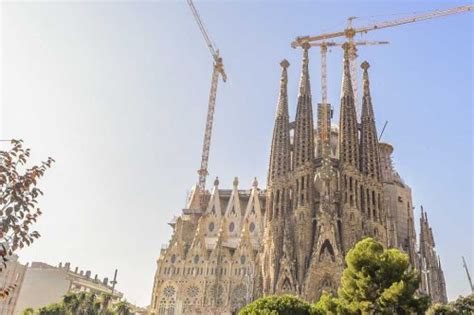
(349, 33)
(468, 275)
(218, 69)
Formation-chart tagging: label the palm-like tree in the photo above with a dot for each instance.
(105, 300)
(122, 308)
(71, 303)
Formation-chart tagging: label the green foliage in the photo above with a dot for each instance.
(28, 311)
(379, 280)
(375, 281)
(462, 306)
(122, 308)
(83, 304)
(277, 305)
(52, 309)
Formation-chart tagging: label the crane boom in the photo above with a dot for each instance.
(468, 275)
(202, 28)
(350, 32)
(218, 69)
(423, 17)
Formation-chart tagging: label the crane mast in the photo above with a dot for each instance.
(468, 275)
(324, 45)
(218, 69)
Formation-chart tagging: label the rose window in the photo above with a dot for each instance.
(192, 291)
(169, 291)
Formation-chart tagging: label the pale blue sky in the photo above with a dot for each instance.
(117, 93)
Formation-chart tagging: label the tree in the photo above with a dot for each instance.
(122, 308)
(277, 305)
(28, 311)
(82, 303)
(18, 201)
(71, 303)
(326, 305)
(462, 306)
(377, 280)
(52, 309)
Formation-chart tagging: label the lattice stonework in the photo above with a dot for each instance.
(238, 296)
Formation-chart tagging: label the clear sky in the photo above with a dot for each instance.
(117, 93)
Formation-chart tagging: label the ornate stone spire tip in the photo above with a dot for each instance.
(216, 181)
(346, 47)
(255, 182)
(284, 64)
(236, 182)
(365, 65)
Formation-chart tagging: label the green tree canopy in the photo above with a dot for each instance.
(376, 280)
(462, 306)
(83, 304)
(277, 305)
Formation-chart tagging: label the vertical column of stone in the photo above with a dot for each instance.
(303, 172)
(349, 179)
(277, 188)
(370, 165)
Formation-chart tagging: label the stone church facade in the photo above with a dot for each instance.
(327, 188)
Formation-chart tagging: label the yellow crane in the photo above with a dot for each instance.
(218, 70)
(349, 33)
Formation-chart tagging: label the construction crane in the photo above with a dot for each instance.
(218, 69)
(349, 33)
(468, 275)
(324, 45)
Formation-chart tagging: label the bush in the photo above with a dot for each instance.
(277, 305)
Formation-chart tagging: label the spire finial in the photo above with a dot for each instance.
(255, 182)
(304, 81)
(236, 182)
(216, 181)
(346, 79)
(346, 47)
(282, 107)
(365, 65)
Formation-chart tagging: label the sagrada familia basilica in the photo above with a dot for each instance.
(327, 188)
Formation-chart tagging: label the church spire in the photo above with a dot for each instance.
(280, 149)
(348, 133)
(370, 160)
(304, 133)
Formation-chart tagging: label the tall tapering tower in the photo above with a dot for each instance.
(348, 132)
(349, 179)
(370, 167)
(369, 152)
(432, 276)
(278, 202)
(303, 172)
